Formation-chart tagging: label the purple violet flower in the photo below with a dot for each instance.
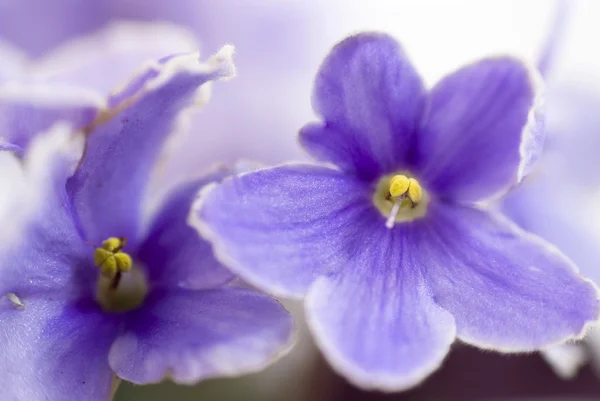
(156, 303)
(391, 247)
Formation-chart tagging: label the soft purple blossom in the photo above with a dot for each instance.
(271, 64)
(66, 329)
(78, 79)
(385, 304)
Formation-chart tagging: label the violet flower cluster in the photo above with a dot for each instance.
(390, 238)
(92, 291)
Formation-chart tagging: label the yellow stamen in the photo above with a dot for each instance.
(400, 199)
(402, 187)
(415, 193)
(113, 244)
(123, 261)
(399, 185)
(110, 259)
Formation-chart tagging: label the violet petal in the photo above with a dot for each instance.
(193, 335)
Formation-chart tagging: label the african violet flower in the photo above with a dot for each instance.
(90, 290)
(390, 246)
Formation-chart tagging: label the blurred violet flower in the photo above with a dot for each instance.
(271, 64)
(156, 303)
(80, 78)
(394, 266)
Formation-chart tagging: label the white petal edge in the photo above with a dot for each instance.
(55, 152)
(533, 135)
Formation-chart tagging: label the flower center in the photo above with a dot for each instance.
(400, 198)
(122, 286)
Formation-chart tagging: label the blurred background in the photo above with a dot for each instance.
(279, 45)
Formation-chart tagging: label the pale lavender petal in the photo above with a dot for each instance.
(108, 187)
(54, 350)
(26, 109)
(574, 132)
(281, 228)
(173, 253)
(232, 21)
(13, 61)
(41, 251)
(566, 359)
(470, 144)
(507, 289)
(371, 100)
(377, 322)
(193, 335)
(107, 59)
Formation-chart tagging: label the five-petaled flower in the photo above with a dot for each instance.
(156, 302)
(392, 246)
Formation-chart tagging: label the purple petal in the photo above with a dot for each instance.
(173, 253)
(15, 149)
(536, 208)
(41, 250)
(470, 145)
(377, 322)
(507, 290)
(193, 335)
(30, 108)
(52, 350)
(105, 59)
(281, 228)
(107, 188)
(371, 100)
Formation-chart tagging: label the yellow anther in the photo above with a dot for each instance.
(400, 199)
(113, 244)
(123, 261)
(415, 193)
(399, 185)
(110, 259)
